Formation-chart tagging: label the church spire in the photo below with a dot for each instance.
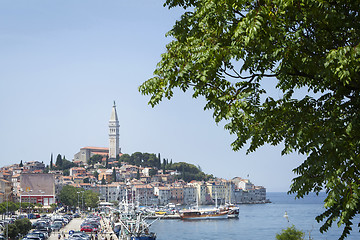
(114, 116)
(114, 134)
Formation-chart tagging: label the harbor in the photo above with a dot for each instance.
(254, 222)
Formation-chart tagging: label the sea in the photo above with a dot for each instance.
(258, 222)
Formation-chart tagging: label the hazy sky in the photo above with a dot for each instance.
(64, 62)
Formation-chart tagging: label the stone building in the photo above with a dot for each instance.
(37, 188)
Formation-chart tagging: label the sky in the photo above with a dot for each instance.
(64, 62)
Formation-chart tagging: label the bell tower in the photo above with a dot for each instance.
(114, 134)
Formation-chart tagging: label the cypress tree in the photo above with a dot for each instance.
(114, 175)
(138, 174)
(164, 166)
(159, 162)
(103, 182)
(51, 162)
(58, 161)
(21, 164)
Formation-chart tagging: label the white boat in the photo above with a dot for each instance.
(233, 211)
(199, 214)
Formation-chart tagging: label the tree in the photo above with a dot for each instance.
(59, 161)
(97, 158)
(224, 51)
(96, 175)
(164, 166)
(24, 225)
(103, 181)
(68, 195)
(137, 158)
(66, 164)
(66, 172)
(158, 161)
(13, 231)
(124, 158)
(114, 175)
(138, 174)
(291, 233)
(21, 164)
(51, 162)
(91, 199)
(152, 172)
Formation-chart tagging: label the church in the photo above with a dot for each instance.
(82, 157)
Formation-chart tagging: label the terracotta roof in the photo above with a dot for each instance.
(78, 168)
(98, 148)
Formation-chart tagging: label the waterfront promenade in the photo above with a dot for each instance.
(106, 232)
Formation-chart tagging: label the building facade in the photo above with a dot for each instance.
(37, 188)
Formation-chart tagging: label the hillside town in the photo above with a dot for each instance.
(114, 180)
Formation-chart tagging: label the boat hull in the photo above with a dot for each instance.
(203, 216)
(143, 238)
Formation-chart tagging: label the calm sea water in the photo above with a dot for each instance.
(256, 222)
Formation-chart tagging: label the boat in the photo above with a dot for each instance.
(135, 228)
(233, 211)
(199, 214)
(130, 223)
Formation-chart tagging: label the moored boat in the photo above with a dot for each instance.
(233, 211)
(199, 214)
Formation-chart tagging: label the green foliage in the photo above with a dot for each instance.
(290, 233)
(8, 206)
(103, 181)
(91, 199)
(13, 231)
(140, 159)
(114, 175)
(51, 162)
(24, 225)
(189, 172)
(96, 175)
(62, 163)
(138, 174)
(20, 226)
(153, 172)
(58, 162)
(66, 172)
(53, 207)
(66, 164)
(68, 195)
(21, 164)
(46, 170)
(224, 50)
(72, 196)
(107, 163)
(95, 159)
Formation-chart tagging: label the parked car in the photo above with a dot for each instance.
(80, 236)
(88, 228)
(31, 238)
(56, 226)
(36, 234)
(42, 232)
